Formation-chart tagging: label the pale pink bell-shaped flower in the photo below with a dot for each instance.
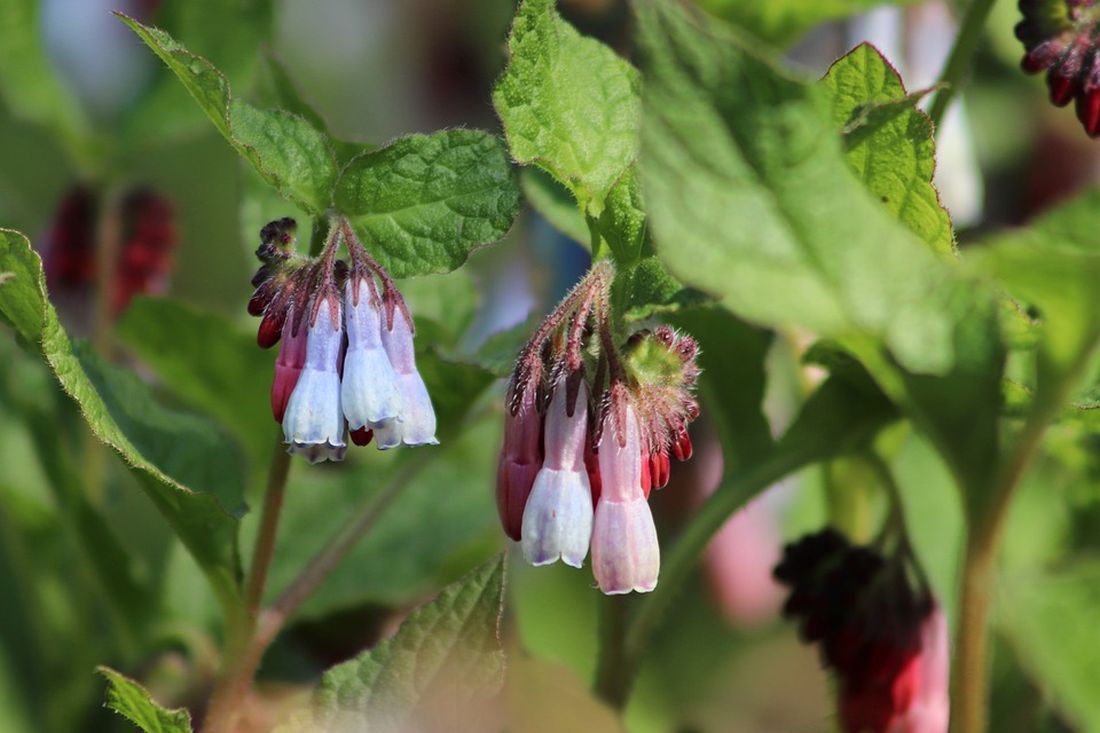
(557, 522)
(313, 425)
(520, 461)
(930, 709)
(415, 425)
(625, 553)
(368, 389)
(288, 365)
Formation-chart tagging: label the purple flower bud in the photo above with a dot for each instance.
(520, 461)
(313, 425)
(557, 522)
(288, 366)
(369, 388)
(416, 423)
(625, 553)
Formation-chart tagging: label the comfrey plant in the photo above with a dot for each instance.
(589, 426)
(346, 367)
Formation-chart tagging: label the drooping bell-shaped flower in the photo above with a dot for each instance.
(557, 521)
(416, 423)
(369, 391)
(288, 366)
(625, 553)
(313, 425)
(520, 458)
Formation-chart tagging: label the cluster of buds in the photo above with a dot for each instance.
(1060, 38)
(346, 366)
(883, 634)
(589, 428)
(147, 238)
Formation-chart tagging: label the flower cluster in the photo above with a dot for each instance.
(147, 238)
(885, 639)
(346, 366)
(1060, 38)
(589, 428)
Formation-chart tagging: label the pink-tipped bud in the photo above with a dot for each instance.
(930, 708)
(625, 553)
(520, 461)
(557, 519)
(271, 328)
(681, 447)
(288, 366)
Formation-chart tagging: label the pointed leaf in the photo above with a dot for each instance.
(132, 701)
(446, 660)
(287, 150)
(888, 142)
(187, 468)
(569, 104)
(750, 199)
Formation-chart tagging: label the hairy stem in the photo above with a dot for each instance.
(958, 62)
(236, 678)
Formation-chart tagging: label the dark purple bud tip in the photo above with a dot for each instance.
(257, 303)
(1088, 111)
(362, 436)
(1062, 89)
(271, 329)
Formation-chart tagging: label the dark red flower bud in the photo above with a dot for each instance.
(362, 436)
(271, 328)
(1088, 111)
(68, 256)
(681, 447)
(647, 474)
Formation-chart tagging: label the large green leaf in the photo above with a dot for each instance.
(132, 701)
(187, 468)
(445, 661)
(287, 150)
(569, 104)
(423, 203)
(203, 358)
(751, 199)
(888, 142)
(1050, 619)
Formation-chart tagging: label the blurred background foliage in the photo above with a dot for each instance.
(90, 576)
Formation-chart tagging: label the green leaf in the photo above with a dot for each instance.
(888, 142)
(204, 358)
(287, 150)
(622, 222)
(187, 468)
(649, 289)
(782, 22)
(568, 104)
(749, 196)
(554, 202)
(732, 355)
(1050, 619)
(446, 660)
(1055, 264)
(132, 701)
(423, 203)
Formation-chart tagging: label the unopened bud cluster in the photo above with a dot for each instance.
(883, 635)
(346, 367)
(1060, 37)
(589, 428)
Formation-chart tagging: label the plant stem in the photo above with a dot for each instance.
(238, 669)
(966, 43)
(243, 658)
(970, 676)
(680, 561)
(612, 679)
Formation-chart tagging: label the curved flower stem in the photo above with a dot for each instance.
(970, 32)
